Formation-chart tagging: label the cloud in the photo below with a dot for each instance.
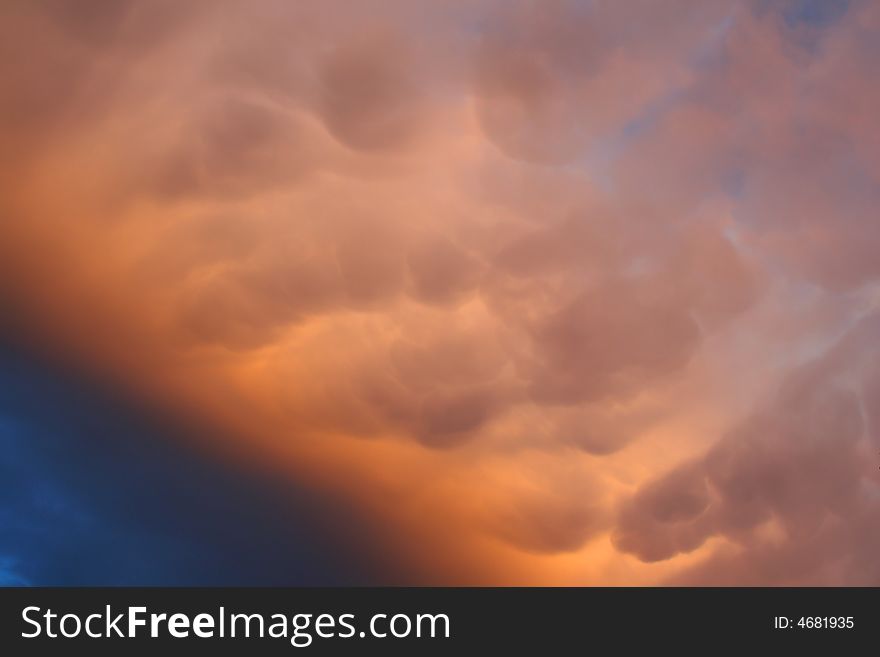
(792, 483)
(406, 251)
(96, 491)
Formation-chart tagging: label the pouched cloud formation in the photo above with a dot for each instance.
(791, 485)
(552, 292)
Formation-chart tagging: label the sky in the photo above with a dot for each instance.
(457, 293)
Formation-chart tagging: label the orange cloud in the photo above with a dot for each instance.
(507, 277)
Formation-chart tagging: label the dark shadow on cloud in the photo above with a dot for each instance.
(95, 492)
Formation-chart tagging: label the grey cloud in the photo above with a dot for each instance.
(799, 462)
(369, 95)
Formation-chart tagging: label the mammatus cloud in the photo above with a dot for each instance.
(519, 280)
(793, 486)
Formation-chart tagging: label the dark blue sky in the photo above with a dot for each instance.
(95, 491)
